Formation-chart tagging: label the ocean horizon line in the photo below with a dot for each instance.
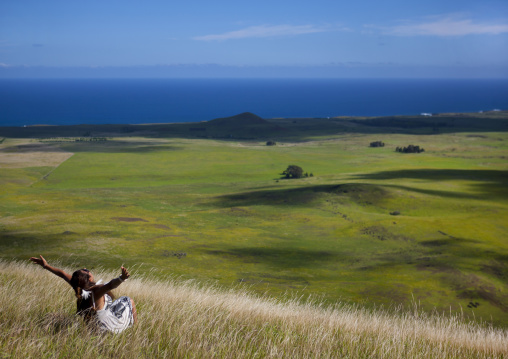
(142, 101)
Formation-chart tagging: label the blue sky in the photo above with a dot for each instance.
(407, 34)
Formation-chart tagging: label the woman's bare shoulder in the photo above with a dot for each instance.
(97, 287)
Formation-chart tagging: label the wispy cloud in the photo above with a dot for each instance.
(445, 26)
(264, 31)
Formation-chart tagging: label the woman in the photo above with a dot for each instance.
(94, 300)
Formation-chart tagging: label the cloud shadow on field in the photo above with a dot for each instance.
(27, 240)
(23, 245)
(301, 196)
(121, 147)
(99, 146)
(491, 183)
(32, 147)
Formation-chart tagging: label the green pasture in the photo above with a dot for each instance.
(218, 211)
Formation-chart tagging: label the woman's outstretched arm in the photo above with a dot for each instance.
(56, 271)
(114, 283)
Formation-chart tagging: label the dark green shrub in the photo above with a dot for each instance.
(410, 149)
(377, 144)
(293, 171)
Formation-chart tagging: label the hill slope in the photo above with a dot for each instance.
(183, 320)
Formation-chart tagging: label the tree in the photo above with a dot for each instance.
(410, 149)
(377, 144)
(293, 171)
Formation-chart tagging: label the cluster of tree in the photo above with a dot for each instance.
(410, 149)
(271, 143)
(91, 139)
(73, 139)
(377, 144)
(294, 171)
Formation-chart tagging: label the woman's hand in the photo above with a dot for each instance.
(125, 274)
(40, 261)
(59, 272)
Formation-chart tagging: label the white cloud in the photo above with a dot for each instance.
(263, 31)
(3, 65)
(447, 26)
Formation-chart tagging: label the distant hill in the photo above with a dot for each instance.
(247, 125)
(243, 119)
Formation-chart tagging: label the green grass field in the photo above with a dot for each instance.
(217, 211)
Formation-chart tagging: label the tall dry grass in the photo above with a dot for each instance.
(185, 320)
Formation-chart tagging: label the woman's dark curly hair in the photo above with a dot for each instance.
(79, 282)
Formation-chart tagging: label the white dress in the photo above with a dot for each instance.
(115, 316)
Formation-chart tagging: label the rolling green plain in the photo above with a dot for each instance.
(206, 201)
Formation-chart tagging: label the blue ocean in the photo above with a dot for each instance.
(134, 101)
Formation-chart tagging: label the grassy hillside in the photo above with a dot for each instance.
(179, 319)
(217, 211)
